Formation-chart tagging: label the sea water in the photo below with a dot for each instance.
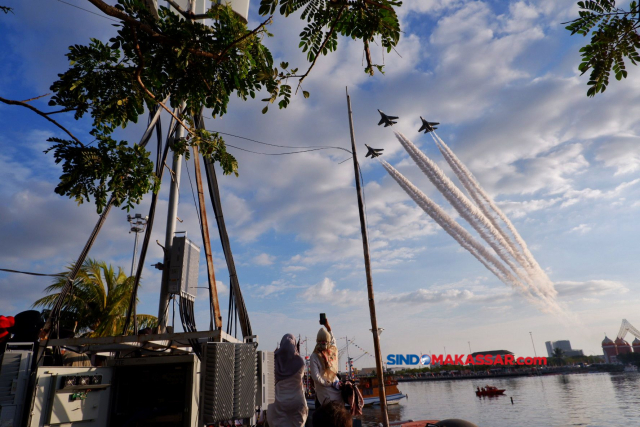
(597, 399)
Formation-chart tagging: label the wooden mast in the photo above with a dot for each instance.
(204, 225)
(367, 267)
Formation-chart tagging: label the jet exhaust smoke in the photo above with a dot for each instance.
(518, 268)
(464, 206)
(462, 236)
(493, 213)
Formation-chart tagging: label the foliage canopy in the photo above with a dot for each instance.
(169, 55)
(99, 300)
(614, 37)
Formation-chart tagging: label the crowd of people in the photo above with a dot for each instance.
(290, 406)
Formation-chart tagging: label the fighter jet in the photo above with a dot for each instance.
(427, 126)
(387, 120)
(373, 152)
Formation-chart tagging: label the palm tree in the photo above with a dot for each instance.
(99, 301)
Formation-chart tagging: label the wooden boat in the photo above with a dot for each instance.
(368, 386)
(489, 391)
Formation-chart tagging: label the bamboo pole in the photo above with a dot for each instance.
(213, 291)
(367, 267)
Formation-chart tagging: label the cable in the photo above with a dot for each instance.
(33, 274)
(364, 199)
(320, 147)
(147, 235)
(276, 154)
(87, 10)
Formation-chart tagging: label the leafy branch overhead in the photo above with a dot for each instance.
(163, 56)
(614, 37)
(359, 19)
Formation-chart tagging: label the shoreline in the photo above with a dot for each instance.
(546, 372)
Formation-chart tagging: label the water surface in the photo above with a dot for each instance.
(602, 399)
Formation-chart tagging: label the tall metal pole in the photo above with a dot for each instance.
(348, 358)
(135, 250)
(534, 346)
(172, 215)
(367, 267)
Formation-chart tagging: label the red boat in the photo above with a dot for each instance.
(489, 391)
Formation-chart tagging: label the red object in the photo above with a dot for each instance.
(5, 324)
(490, 391)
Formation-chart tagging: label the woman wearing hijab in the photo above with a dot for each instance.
(324, 367)
(290, 406)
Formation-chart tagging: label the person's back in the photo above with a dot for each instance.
(290, 406)
(331, 414)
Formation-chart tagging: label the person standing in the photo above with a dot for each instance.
(290, 406)
(324, 367)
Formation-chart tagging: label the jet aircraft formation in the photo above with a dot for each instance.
(390, 121)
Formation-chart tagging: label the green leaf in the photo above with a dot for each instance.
(306, 94)
(265, 109)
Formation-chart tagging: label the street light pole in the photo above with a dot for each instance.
(138, 224)
(534, 346)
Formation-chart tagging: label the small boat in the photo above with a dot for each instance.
(631, 368)
(489, 391)
(368, 386)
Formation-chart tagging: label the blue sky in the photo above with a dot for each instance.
(501, 78)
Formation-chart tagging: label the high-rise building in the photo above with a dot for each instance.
(563, 345)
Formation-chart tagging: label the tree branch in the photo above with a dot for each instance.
(40, 113)
(64, 110)
(333, 27)
(117, 13)
(139, 78)
(367, 53)
(224, 52)
(37, 97)
(371, 2)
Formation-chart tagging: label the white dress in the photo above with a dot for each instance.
(324, 391)
(290, 406)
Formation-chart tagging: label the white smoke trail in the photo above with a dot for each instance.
(462, 236)
(493, 213)
(464, 206)
(466, 240)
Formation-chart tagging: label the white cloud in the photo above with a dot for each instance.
(222, 288)
(293, 268)
(264, 259)
(574, 196)
(621, 153)
(520, 209)
(275, 288)
(590, 288)
(581, 229)
(325, 292)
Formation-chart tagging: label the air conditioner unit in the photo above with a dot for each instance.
(15, 368)
(266, 379)
(228, 382)
(183, 267)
